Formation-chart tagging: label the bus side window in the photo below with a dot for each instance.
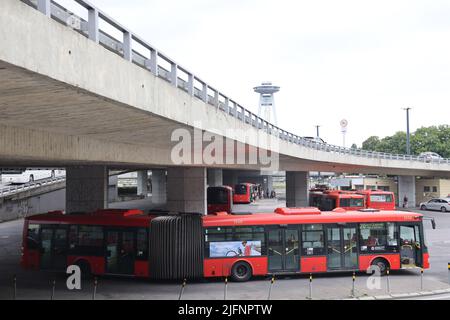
(89, 241)
(312, 240)
(142, 244)
(392, 236)
(33, 237)
(73, 237)
(418, 235)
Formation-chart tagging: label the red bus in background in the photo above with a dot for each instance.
(220, 199)
(378, 199)
(243, 193)
(103, 242)
(290, 240)
(332, 199)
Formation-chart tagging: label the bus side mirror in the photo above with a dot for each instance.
(433, 222)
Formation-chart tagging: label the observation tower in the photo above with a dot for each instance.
(267, 109)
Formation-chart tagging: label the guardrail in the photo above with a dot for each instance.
(131, 48)
(15, 189)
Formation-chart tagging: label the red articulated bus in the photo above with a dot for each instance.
(378, 199)
(220, 199)
(243, 193)
(297, 241)
(332, 199)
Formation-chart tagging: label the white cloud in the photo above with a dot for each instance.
(355, 59)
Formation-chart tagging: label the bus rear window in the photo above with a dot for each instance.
(381, 198)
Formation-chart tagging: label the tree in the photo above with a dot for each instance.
(354, 146)
(433, 139)
(426, 139)
(371, 143)
(393, 144)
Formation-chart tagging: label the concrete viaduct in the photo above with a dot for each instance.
(73, 96)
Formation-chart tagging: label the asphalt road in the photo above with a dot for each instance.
(37, 285)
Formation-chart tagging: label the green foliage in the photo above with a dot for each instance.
(433, 139)
(371, 144)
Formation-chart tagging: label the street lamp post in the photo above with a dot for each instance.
(408, 134)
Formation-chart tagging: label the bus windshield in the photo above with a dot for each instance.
(240, 189)
(217, 196)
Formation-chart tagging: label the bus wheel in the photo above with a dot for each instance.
(85, 268)
(382, 264)
(241, 271)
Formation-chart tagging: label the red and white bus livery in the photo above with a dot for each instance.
(296, 240)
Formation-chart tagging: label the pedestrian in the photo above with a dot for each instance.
(405, 201)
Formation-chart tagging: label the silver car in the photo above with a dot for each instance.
(437, 204)
(429, 156)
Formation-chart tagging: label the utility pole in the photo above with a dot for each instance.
(408, 134)
(319, 178)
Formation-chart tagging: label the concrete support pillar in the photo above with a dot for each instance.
(186, 190)
(268, 183)
(86, 189)
(215, 177)
(159, 189)
(113, 190)
(297, 189)
(142, 183)
(407, 187)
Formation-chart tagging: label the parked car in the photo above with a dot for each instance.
(437, 205)
(429, 156)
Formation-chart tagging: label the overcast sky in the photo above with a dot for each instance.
(359, 60)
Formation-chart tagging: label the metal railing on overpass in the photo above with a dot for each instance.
(15, 189)
(136, 50)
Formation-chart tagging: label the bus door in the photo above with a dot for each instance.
(410, 246)
(120, 251)
(283, 249)
(342, 249)
(53, 247)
